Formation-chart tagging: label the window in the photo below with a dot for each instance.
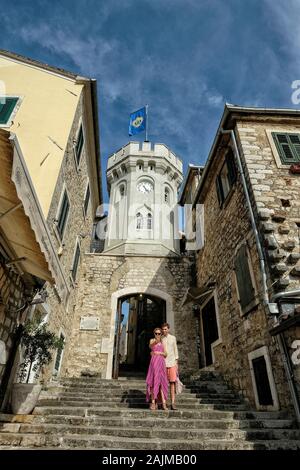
(245, 285)
(226, 178)
(167, 196)
(139, 221)
(7, 105)
(75, 262)
(63, 215)
(79, 144)
(262, 381)
(264, 387)
(149, 221)
(122, 190)
(288, 147)
(87, 199)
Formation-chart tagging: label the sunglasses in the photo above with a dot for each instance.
(157, 334)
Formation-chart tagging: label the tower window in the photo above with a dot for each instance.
(139, 221)
(140, 166)
(122, 190)
(149, 221)
(167, 196)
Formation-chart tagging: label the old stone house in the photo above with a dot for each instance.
(51, 119)
(246, 302)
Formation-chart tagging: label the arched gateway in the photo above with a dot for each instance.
(134, 315)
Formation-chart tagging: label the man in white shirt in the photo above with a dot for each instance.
(171, 360)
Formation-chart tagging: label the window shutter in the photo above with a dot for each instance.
(62, 219)
(219, 190)
(288, 151)
(243, 276)
(79, 145)
(6, 109)
(295, 141)
(75, 262)
(231, 167)
(87, 199)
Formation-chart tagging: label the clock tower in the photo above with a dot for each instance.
(143, 181)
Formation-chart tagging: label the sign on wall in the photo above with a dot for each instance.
(89, 323)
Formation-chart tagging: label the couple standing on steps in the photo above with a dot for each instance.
(163, 368)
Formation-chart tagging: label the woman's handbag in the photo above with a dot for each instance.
(178, 385)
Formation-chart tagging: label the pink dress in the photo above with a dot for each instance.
(157, 374)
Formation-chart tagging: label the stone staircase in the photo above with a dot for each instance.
(93, 413)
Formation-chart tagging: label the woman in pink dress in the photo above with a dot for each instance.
(157, 379)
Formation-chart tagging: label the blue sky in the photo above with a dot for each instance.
(184, 58)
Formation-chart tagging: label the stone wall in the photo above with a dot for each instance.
(225, 229)
(276, 194)
(105, 277)
(78, 227)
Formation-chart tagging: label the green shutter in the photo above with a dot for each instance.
(243, 277)
(295, 141)
(6, 109)
(288, 146)
(63, 215)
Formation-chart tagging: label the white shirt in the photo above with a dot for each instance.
(171, 349)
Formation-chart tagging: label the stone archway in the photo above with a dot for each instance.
(114, 305)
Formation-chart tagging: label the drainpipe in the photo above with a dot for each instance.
(265, 293)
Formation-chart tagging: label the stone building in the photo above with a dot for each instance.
(51, 118)
(248, 285)
(140, 278)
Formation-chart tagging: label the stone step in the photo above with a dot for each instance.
(157, 432)
(139, 404)
(124, 443)
(143, 413)
(135, 399)
(120, 390)
(164, 422)
(133, 393)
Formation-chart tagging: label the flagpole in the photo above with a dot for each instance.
(146, 123)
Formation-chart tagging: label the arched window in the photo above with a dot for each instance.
(149, 221)
(122, 190)
(140, 166)
(139, 221)
(167, 196)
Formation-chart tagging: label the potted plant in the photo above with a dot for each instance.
(37, 343)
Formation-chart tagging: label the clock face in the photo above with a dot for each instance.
(145, 187)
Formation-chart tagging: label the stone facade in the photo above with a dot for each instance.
(105, 279)
(274, 195)
(74, 178)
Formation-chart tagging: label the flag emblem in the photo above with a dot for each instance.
(137, 121)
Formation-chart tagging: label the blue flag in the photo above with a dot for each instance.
(137, 121)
